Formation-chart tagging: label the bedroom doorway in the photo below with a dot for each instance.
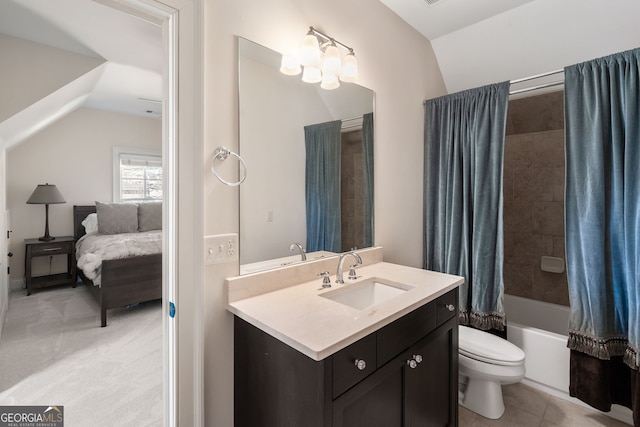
(171, 375)
(167, 18)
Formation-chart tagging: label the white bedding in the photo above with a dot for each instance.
(93, 248)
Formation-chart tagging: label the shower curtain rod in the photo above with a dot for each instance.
(358, 123)
(549, 73)
(540, 86)
(527, 89)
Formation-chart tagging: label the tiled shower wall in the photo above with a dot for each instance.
(352, 190)
(534, 169)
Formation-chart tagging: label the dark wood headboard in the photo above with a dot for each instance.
(79, 214)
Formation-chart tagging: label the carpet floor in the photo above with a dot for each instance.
(54, 352)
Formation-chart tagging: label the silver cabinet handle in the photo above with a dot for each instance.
(413, 363)
(360, 364)
(51, 249)
(450, 307)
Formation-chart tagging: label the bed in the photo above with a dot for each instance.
(123, 281)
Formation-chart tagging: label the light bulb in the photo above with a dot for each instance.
(311, 75)
(310, 51)
(349, 68)
(332, 63)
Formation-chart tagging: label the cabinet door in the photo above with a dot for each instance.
(431, 386)
(374, 402)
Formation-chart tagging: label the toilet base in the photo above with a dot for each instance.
(484, 398)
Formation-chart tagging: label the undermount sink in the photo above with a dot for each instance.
(367, 293)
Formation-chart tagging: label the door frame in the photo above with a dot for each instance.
(183, 337)
(4, 240)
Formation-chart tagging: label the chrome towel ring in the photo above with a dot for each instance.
(222, 154)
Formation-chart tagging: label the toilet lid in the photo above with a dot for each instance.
(488, 348)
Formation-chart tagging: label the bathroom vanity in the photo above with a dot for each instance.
(304, 359)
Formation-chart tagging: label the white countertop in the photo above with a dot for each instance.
(318, 327)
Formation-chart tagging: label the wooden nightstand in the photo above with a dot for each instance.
(59, 246)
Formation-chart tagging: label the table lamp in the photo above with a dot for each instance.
(46, 194)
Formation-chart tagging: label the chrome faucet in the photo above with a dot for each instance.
(299, 246)
(352, 274)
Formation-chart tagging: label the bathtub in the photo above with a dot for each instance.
(540, 329)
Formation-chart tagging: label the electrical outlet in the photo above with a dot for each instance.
(220, 248)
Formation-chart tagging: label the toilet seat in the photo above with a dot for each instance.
(488, 348)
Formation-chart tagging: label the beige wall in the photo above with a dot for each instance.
(75, 154)
(395, 62)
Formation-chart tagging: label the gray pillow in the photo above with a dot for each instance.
(150, 216)
(114, 218)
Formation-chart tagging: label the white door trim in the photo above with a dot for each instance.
(183, 359)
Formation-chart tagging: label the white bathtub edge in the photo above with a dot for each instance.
(553, 383)
(549, 367)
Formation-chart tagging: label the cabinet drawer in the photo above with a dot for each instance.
(404, 332)
(346, 372)
(52, 248)
(446, 307)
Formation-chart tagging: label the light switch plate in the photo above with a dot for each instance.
(220, 248)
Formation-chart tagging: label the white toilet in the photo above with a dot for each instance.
(486, 362)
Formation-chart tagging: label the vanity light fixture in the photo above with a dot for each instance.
(319, 60)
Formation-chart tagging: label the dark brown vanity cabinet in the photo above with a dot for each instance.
(404, 374)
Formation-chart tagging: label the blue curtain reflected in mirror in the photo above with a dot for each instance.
(322, 186)
(339, 185)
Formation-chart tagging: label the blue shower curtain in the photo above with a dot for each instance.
(602, 103)
(367, 154)
(602, 216)
(322, 186)
(464, 149)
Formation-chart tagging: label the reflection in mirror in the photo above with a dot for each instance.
(283, 199)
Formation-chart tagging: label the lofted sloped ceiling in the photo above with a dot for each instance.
(32, 71)
(127, 51)
(436, 18)
(488, 41)
(39, 85)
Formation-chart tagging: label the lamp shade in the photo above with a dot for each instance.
(290, 65)
(46, 194)
(330, 81)
(311, 75)
(332, 63)
(349, 68)
(310, 54)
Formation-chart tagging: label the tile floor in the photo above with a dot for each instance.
(529, 407)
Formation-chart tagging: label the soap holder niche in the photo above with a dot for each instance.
(552, 264)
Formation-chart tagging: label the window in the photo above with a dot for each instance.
(137, 175)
